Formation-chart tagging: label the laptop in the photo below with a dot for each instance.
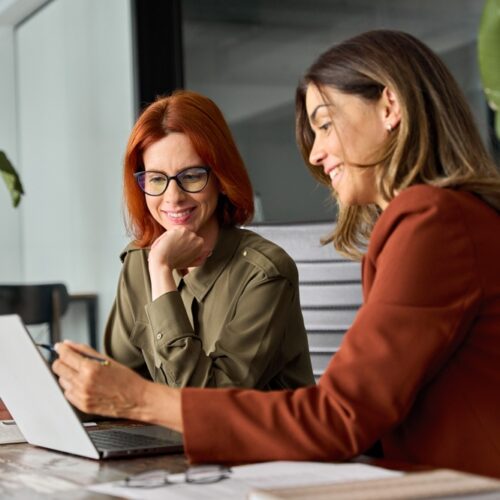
(45, 417)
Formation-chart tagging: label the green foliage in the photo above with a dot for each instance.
(489, 56)
(11, 179)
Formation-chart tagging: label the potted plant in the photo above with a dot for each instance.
(489, 56)
(11, 178)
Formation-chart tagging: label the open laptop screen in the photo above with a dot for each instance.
(42, 413)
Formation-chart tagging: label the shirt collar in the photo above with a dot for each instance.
(200, 280)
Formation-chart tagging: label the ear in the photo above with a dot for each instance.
(390, 109)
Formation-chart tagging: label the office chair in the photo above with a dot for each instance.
(36, 304)
(329, 284)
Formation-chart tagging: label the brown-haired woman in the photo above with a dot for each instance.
(380, 120)
(201, 302)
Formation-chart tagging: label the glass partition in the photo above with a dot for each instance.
(249, 55)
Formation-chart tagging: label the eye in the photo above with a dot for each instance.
(325, 127)
(156, 179)
(192, 177)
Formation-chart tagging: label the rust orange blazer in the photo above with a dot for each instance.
(419, 368)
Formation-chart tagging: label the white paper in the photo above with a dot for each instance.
(245, 478)
(10, 433)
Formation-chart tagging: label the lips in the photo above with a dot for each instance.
(334, 171)
(178, 216)
(328, 170)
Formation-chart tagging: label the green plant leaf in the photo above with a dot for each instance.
(489, 56)
(11, 179)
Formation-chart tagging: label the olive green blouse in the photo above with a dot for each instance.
(235, 321)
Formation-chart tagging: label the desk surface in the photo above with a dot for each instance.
(28, 472)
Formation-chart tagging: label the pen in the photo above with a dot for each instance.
(51, 348)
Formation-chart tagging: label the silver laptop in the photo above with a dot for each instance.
(37, 404)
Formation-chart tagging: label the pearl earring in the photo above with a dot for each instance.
(389, 127)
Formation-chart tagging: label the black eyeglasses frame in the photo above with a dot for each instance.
(175, 177)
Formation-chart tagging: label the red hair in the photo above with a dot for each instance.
(202, 121)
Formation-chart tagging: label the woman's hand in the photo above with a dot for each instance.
(177, 248)
(114, 390)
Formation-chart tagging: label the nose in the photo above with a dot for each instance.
(317, 154)
(174, 194)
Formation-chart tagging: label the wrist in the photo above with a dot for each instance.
(159, 267)
(160, 405)
(162, 281)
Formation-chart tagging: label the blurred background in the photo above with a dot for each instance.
(76, 73)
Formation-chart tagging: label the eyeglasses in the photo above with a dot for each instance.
(199, 474)
(191, 180)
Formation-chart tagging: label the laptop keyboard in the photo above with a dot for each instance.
(118, 440)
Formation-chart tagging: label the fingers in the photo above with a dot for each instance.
(77, 375)
(177, 248)
(72, 367)
(80, 348)
(62, 370)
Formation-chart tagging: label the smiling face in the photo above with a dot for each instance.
(175, 207)
(359, 131)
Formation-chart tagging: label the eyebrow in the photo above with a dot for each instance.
(312, 116)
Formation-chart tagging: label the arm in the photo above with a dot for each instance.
(249, 337)
(124, 316)
(174, 249)
(246, 328)
(422, 300)
(114, 390)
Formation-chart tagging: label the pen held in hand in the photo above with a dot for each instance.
(51, 348)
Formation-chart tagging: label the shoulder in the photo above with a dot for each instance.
(265, 255)
(423, 198)
(133, 254)
(439, 203)
(417, 204)
(431, 215)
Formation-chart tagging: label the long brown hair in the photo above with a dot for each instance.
(202, 121)
(436, 142)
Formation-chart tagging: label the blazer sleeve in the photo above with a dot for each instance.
(422, 298)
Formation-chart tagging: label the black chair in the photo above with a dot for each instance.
(329, 284)
(36, 305)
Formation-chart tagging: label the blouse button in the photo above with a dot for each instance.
(159, 336)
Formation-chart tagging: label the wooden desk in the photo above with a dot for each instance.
(27, 472)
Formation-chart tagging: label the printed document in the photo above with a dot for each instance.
(245, 478)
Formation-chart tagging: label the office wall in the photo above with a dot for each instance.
(10, 219)
(74, 110)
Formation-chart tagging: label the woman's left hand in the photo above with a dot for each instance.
(109, 389)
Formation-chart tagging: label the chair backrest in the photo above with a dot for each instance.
(329, 284)
(36, 304)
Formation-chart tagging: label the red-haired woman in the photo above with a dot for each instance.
(201, 302)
